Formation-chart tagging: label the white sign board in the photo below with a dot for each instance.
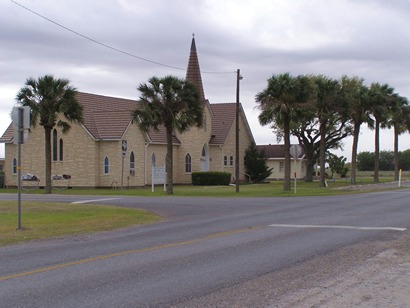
(158, 175)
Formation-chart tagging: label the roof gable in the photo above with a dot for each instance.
(222, 121)
(99, 112)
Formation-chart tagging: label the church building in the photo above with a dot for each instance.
(92, 153)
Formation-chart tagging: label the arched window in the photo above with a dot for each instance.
(106, 165)
(188, 163)
(132, 163)
(54, 144)
(61, 150)
(153, 160)
(14, 166)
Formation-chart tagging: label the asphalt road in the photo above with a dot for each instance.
(203, 246)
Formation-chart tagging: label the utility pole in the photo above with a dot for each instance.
(238, 78)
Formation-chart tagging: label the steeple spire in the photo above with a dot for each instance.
(193, 73)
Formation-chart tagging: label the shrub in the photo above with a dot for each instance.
(1, 179)
(211, 178)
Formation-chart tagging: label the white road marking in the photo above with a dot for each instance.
(95, 200)
(338, 227)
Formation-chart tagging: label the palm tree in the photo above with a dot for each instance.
(279, 102)
(355, 94)
(399, 119)
(53, 102)
(380, 97)
(170, 102)
(327, 105)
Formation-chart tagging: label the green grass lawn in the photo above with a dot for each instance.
(41, 220)
(270, 189)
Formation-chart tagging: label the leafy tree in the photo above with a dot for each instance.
(53, 102)
(170, 102)
(255, 164)
(278, 102)
(365, 161)
(386, 160)
(404, 160)
(338, 165)
(329, 111)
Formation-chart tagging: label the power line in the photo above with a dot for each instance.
(106, 45)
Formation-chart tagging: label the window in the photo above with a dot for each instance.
(225, 160)
(54, 145)
(132, 163)
(14, 166)
(188, 163)
(106, 165)
(61, 150)
(230, 160)
(281, 166)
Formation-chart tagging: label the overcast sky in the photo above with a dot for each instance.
(364, 38)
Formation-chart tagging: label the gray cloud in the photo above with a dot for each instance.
(364, 38)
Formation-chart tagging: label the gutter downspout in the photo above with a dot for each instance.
(222, 158)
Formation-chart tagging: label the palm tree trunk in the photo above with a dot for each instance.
(396, 153)
(47, 139)
(354, 153)
(376, 152)
(286, 129)
(168, 162)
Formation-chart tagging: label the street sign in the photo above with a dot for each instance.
(21, 124)
(124, 147)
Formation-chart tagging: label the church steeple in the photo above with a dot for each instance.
(193, 73)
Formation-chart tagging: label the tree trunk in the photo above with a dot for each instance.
(310, 162)
(396, 153)
(376, 152)
(322, 151)
(286, 129)
(47, 139)
(354, 153)
(168, 163)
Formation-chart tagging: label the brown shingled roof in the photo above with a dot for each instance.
(105, 118)
(99, 112)
(275, 150)
(8, 135)
(224, 117)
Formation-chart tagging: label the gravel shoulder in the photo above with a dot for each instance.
(373, 274)
(383, 280)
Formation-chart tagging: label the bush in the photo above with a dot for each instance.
(256, 164)
(211, 178)
(1, 179)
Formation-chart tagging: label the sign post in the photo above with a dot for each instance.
(124, 146)
(21, 124)
(294, 152)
